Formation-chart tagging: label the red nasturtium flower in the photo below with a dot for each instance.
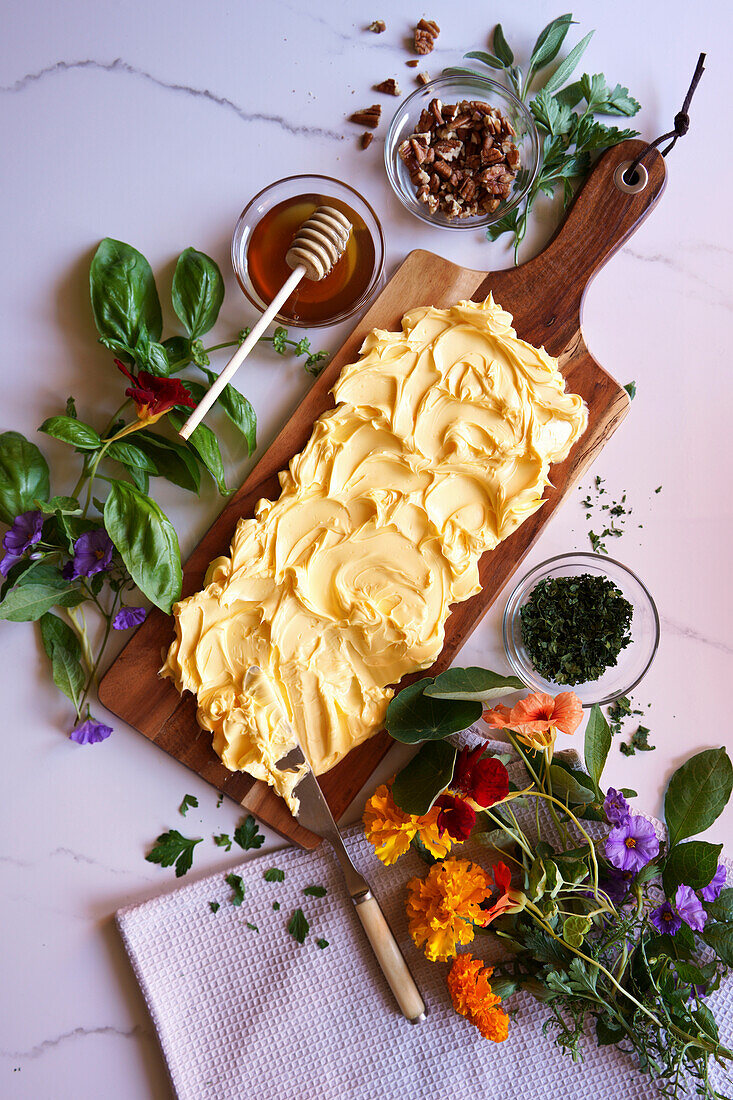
(456, 817)
(509, 900)
(484, 781)
(155, 396)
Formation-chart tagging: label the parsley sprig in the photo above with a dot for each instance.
(172, 847)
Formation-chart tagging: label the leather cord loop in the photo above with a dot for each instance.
(681, 124)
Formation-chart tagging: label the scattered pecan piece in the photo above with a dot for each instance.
(365, 140)
(426, 31)
(378, 26)
(368, 117)
(389, 87)
(412, 63)
(423, 78)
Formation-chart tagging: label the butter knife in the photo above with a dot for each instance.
(315, 815)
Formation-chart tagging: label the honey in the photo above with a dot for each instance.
(312, 302)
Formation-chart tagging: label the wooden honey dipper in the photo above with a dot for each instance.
(315, 250)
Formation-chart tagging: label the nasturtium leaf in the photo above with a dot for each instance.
(720, 938)
(70, 430)
(537, 880)
(197, 293)
(424, 778)
(597, 743)
(124, 298)
(472, 684)
(697, 793)
(413, 716)
(23, 476)
(722, 908)
(693, 863)
(146, 541)
(64, 652)
(570, 785)
(575, 929)
(238, 409)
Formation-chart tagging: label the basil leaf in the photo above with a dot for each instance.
(501, 46)
(597, 743)
(146, 541)
(564, 71)
(140, 478)
(720, 938)
(238, 409)
(693, 863)
(23, 476)
(548, 44)
(198, 291)
(486, 58)
(131, 455)
(413, 716)
(697, 793)
(152, 357)
(63, 650)
(124, 298)
(203, 443)
(36, 592)
(473, 684)
(178, 350)
(72, 431)
(570, 784)
(722, 907)
(425, 777)
(174, 461)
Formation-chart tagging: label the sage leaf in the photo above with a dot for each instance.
(597, 743)
(124, 298)
(72, 431)
(501, 46)
(722, 908)
(693, 863)
(23, 476)
(548, 44)
(486, 58)
(238, 409)
(720, 938)
(413, 716)
(472, 684)
(204, 444)
(426, 776)
(64, 652)
(197, 293)
(697, 793)
(173, 461)
(565, 70)
(130, 455)
(146, 541)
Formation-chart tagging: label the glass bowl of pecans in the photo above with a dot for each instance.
(461, 152)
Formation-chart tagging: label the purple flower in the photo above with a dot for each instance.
(665, 919)
(128, 617)
(616, 807)
(689, 907)
(713, 888)
(616, 884)
(24, 533)
(631, 845)
(90, 732)
(92, 554)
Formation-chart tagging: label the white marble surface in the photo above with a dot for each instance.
(154, 123)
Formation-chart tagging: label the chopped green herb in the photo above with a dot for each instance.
(575, 627)
(276, 905)
(639, 742)
(274, 874)
(214, 906)
(298, 926)
(253, 927)
(172, 848)
(219, 800)
(247, 834)
(630, 388)
(189, 801)
(658, 489)
(223, 841)
(322, 943)
(315, 891)
(596, 543)
(237, 885)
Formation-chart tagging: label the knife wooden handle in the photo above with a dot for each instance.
(390, 958)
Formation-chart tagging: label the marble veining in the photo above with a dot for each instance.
(37, 1051)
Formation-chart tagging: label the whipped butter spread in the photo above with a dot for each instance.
(440, 445)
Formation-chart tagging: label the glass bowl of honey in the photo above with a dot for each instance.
(265, 230)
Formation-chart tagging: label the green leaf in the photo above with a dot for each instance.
(548, 44)
(125, 301)
(563, 73)
(152, 357)
(501, 46)
(36, 592)
(571, 785)
(72, 431)
(214, 906)
(189, 802)
(507, 224)
(693, 863)
(130, 455)
(237, 885)
(323, 944)
(486, 59)
(315, 891)
(298, 926)
(575, 929)
(172, 847)
(247, 834)
(178, 351)
(64, 652)
(619, 102)
(68, 506)
(630, 388)
(597, 743)
(147, 543)
(223, 841)
(607, 1033)
(722, 908)
(203, 443)
(472, 684)
(720, 938)
(23, 476)
(174, 461)
(238, 409)
(413, 716)
(274, 874)
(197, 293)
(428, 774)
(697, 793)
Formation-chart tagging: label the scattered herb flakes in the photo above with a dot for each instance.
(247, 834)
(252, 927)
(214, 906)
(298, 926)
(237, 885)
(276, 905)
(223, 841)
(658, 489)
(618, 711)
(219, 800)
(189, 802)
(575, 627)
(639, 742)
(322, 943)
(274, 874)
(630, 388)
(315, 891)
(172, 848)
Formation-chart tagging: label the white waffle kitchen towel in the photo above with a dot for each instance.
(247, 1013)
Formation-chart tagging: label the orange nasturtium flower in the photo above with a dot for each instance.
(443, 907)
(391, 830)
(509, 900)
(472, 996)
(536, 719)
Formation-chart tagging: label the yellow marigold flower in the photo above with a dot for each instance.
(441, 908)
(391, 830)
(472, 996)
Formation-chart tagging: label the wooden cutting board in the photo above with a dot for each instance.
(545, 297)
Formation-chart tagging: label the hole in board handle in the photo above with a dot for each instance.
(630, 183)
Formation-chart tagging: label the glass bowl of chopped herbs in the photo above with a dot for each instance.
(582, 622)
